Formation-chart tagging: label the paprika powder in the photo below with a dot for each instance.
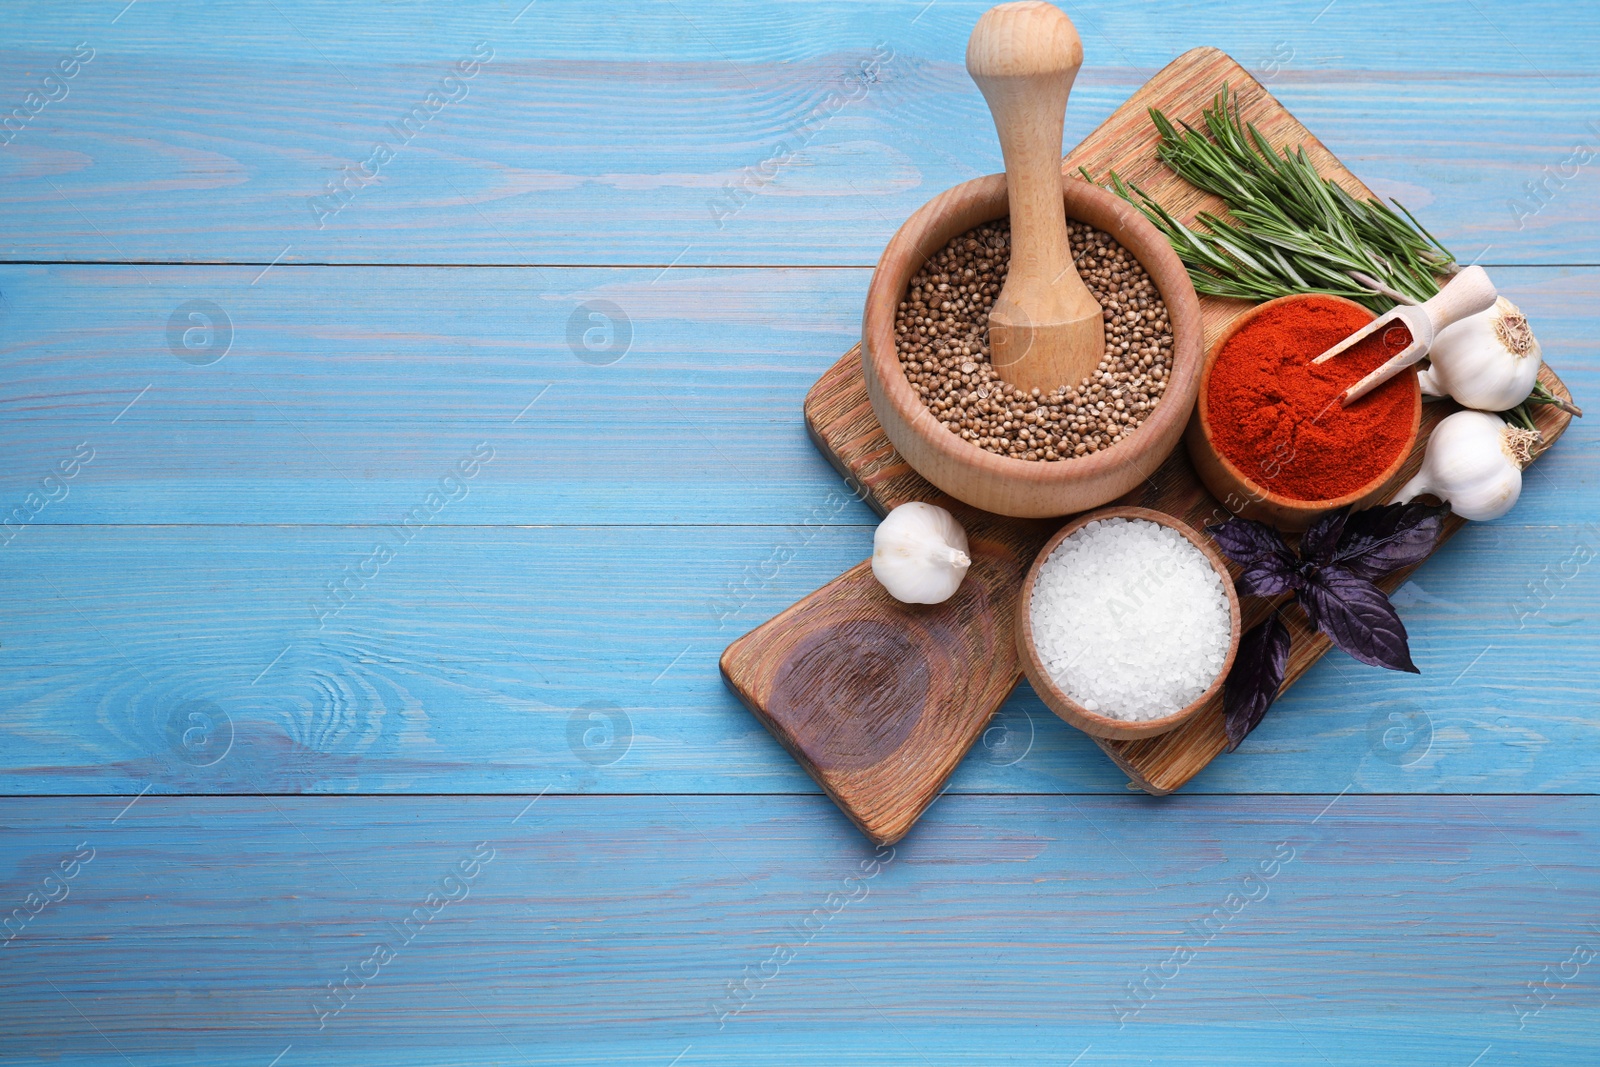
(1277, 416)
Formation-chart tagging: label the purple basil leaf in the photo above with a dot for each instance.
(1382, 540)
(1317, 544)
(1268, 576)
(1253, 682)
(1357, 616)
(1244, 541)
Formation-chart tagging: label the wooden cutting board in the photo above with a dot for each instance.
(880, 700)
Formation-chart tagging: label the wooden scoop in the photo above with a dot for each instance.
(1046, 329)
(1468, 293)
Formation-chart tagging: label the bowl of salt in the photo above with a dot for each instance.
(1129, 623)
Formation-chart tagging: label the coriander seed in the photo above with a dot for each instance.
(941, 331)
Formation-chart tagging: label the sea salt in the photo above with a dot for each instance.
(1130, 619)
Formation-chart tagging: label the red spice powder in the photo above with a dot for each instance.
(1277, 416)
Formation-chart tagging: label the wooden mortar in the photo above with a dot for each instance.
(1006, 486)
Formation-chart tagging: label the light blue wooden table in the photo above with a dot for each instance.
(384, 515)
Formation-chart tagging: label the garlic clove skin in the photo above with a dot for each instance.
(919, 554)
(1473, 463)
(1487, 361)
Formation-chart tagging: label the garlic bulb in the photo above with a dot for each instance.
(1486, 361)
(919, 554)
(1474, 463)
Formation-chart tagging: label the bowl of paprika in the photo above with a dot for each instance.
(1269, 437)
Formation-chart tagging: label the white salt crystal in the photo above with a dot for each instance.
(1130, 619)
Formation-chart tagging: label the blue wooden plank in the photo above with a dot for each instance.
(616, 140)
(1549, 34)
(488, 655)
(345, 397)
(606, 930)
(584, 659)
(348, 393)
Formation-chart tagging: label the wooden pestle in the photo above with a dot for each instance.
(1046, 329)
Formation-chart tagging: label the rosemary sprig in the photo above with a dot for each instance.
(1542, 395)
(1292, 230)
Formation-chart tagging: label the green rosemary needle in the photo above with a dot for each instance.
(1292, 230)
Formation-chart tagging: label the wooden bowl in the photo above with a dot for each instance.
(999, 483)
(1070, 710)
(1245, 497)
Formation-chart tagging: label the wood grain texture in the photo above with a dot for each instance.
(461, 666)
(1125, 144)
(616, 141)
(607, 930)
(879, 700)
(608, 927)
(348, 392)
